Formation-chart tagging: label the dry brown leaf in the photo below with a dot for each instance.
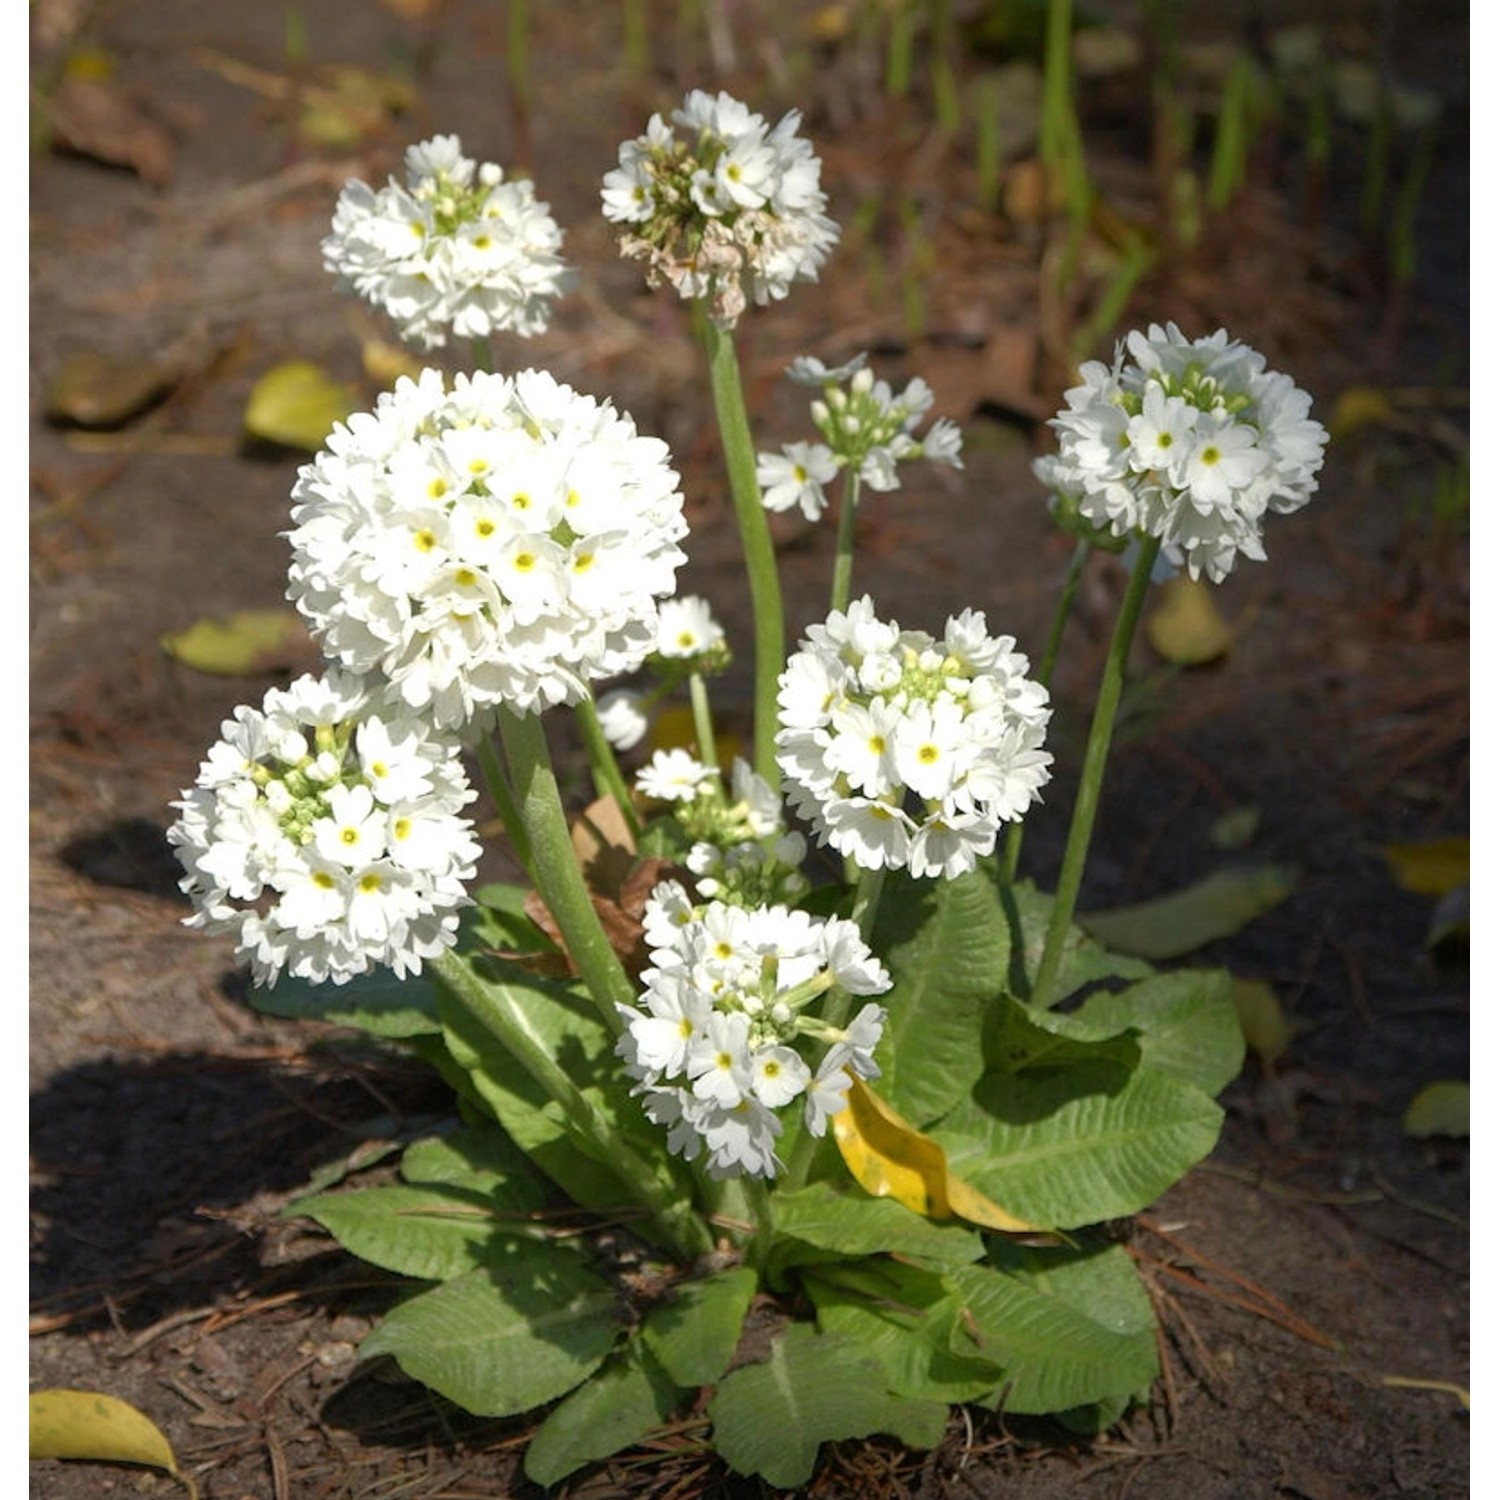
(94, 117)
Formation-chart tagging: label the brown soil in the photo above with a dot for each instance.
(1318, 1254)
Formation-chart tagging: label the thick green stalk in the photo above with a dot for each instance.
(558, 876)
(505, 805)
(843, 558)
(1095, 755)
(608, 777)
(755, 535)
(1044, 676)
(497, 1008)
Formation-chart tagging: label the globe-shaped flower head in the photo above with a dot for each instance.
(904, 751)
(729, 210)
(455, 249)
(1189, 441)
(323, 833)
(502, 543)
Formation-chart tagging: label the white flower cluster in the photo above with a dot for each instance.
(504, 542)
(742, 851)
(456, 249)
(323, 833)
(713, 1040)
(1191, 441)
(902, 750)
(866, 428)
(731, 211)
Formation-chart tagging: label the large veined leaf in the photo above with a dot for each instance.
(695, 1334)
(770, 1419)
(1077, 1145)
(570, 1030)
(431, 1232)
(378, 1003)
(479, 1157)
(1017, 1037)
(825, 1220)
(523, 1330)
(948, 949)
(611, 1410)
(1083, 962)
(1069, 1327)
(1185, 1023)
(908, 1319)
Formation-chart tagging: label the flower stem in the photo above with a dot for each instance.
(1091, 781)
(703, 723)
(559, 879)
(755, 535)
(1044, 676)
(500, 1009)
(843, 560)
(505, 805)
(608, 777)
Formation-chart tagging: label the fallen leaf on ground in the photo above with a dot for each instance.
(1264, 1024)
(1186, 627)
(296, 404)
(1438, 1109)
(95, 117)
(1429, 867)
(94, 389)
(1187, 920)
(244, 644)
(89, 1425)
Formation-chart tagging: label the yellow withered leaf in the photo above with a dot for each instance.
(296, 404)
(1186, 627)
(1429, 867)
(89, 1425)
(889, 1159)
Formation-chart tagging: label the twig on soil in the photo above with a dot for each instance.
(1257, 1300)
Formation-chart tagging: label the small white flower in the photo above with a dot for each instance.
(672, 776)
(795, 477)
(686, 628)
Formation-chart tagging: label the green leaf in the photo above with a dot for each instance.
(1077, 1145)
(908, 1319)
(1017, 1038)
(770, 1419)
(694, 1336)
(1262, 1021)
(1215, 908)
(378, 1003)
(570, 1029)
(245, 644)
(502, 921)
(1083, 962)
(524, 1329)
(432, 1233)
(947, 946)
(615, 1408)
(830, 1220)
(296, 404)
(90, 1425)
(1069, 1327)
(1438, 1109)
(1185, 1022)
(478, 1157)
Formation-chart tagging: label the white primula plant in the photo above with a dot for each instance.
(721, 205)
(502, 543)
(903, 751)
(456, 250)
(1188, 441)
(323, 834)
(726, 1035)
